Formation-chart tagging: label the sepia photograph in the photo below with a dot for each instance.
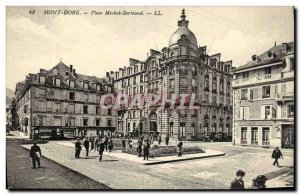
(146, 98)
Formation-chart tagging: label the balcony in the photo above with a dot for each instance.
(244, 142)
(259, 79)
(266, 143)
(285, 96)
(254, 142)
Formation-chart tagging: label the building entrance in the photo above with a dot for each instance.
(287, 139)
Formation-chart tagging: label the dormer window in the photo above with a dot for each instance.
(42, 80)
(85, 85)
(98, 88)
(57, 82)
(71, 84)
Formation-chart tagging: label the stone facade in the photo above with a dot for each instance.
(60, 103)
(181, 68)
(264, 99)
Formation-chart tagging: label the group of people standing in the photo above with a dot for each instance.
(97, 144)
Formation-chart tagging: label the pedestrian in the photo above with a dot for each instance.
(139, 148)
(105, 142)
(110, 144)
(276, 155)
(159, 139)
(259, 182)
(130, 143)
(77, 148)
(123, 144)
(146, 146)
(35, 154)
(101, 149)
(238, 182)
(92, 140)
(142, 138)
(86, 144)
(96, 144)
(167, 140)
(179, 145)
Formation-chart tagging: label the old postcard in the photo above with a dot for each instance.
(150, 98)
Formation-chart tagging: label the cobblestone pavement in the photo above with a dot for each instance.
(20, 175)
(211, 173)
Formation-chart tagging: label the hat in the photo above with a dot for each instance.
(240, 173)
(260, 178)
(277, 147)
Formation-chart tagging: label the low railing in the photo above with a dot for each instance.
(266, 143)
(254, 142)
(244, 142)
(257, 79)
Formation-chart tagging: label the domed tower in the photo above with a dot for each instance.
(181, 67)
(183, 41)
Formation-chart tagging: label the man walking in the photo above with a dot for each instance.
(124, 143)
(101, 149)
(86, 143)
(139, 148)
(146, 148)
(167, 140)
(238, 183)
(180, 144)
(77, 148)
(105, 142)
(277, 155)
(35, 154)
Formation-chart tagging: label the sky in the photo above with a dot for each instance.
(95, 44)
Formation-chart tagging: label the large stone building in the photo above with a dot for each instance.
(181, 68)
(60, 103)
(264, 99)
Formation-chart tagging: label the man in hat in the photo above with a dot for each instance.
(277, 155)
(238, 182)
(35, 154)
(101, 149)
(77, 148)
(259, 182)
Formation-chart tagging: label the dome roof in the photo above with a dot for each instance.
(183, 31)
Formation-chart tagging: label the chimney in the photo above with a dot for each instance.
(285, 47)
(74, 71)
(71, 68)
(107, 74)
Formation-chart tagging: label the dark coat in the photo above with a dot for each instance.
(86, 143)
(78, 145)
(33, 151)
(123, 142)
(277, 154)
(237, 184)
(101, 147)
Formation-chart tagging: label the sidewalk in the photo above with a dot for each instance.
(118, 154)
(258, 148)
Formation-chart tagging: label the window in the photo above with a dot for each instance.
(244, 94)
(109, 122)
(71, 108)
(128, 81)
(97, 110)
(72, 95)
(291, 111)
(128, 127)
(133, 114)
(253, 93)
(267, 112)
(109, 111)
(292, 63)
(266, 90)
(98, 88)
(71, 84)
(206, 84)
(141, 89)
(172, 82)
(244, 113)
(245, 75)
(268, 70)
(244, 134)
(25, 108)
(134, 80)
(254, 135)
(42, 80)
(72, 122)
(57, 82)
(85, 122)
(141, 78)
(97, 122)
(141, 113)
(58, 107)
(265, 134)
(85, 109)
